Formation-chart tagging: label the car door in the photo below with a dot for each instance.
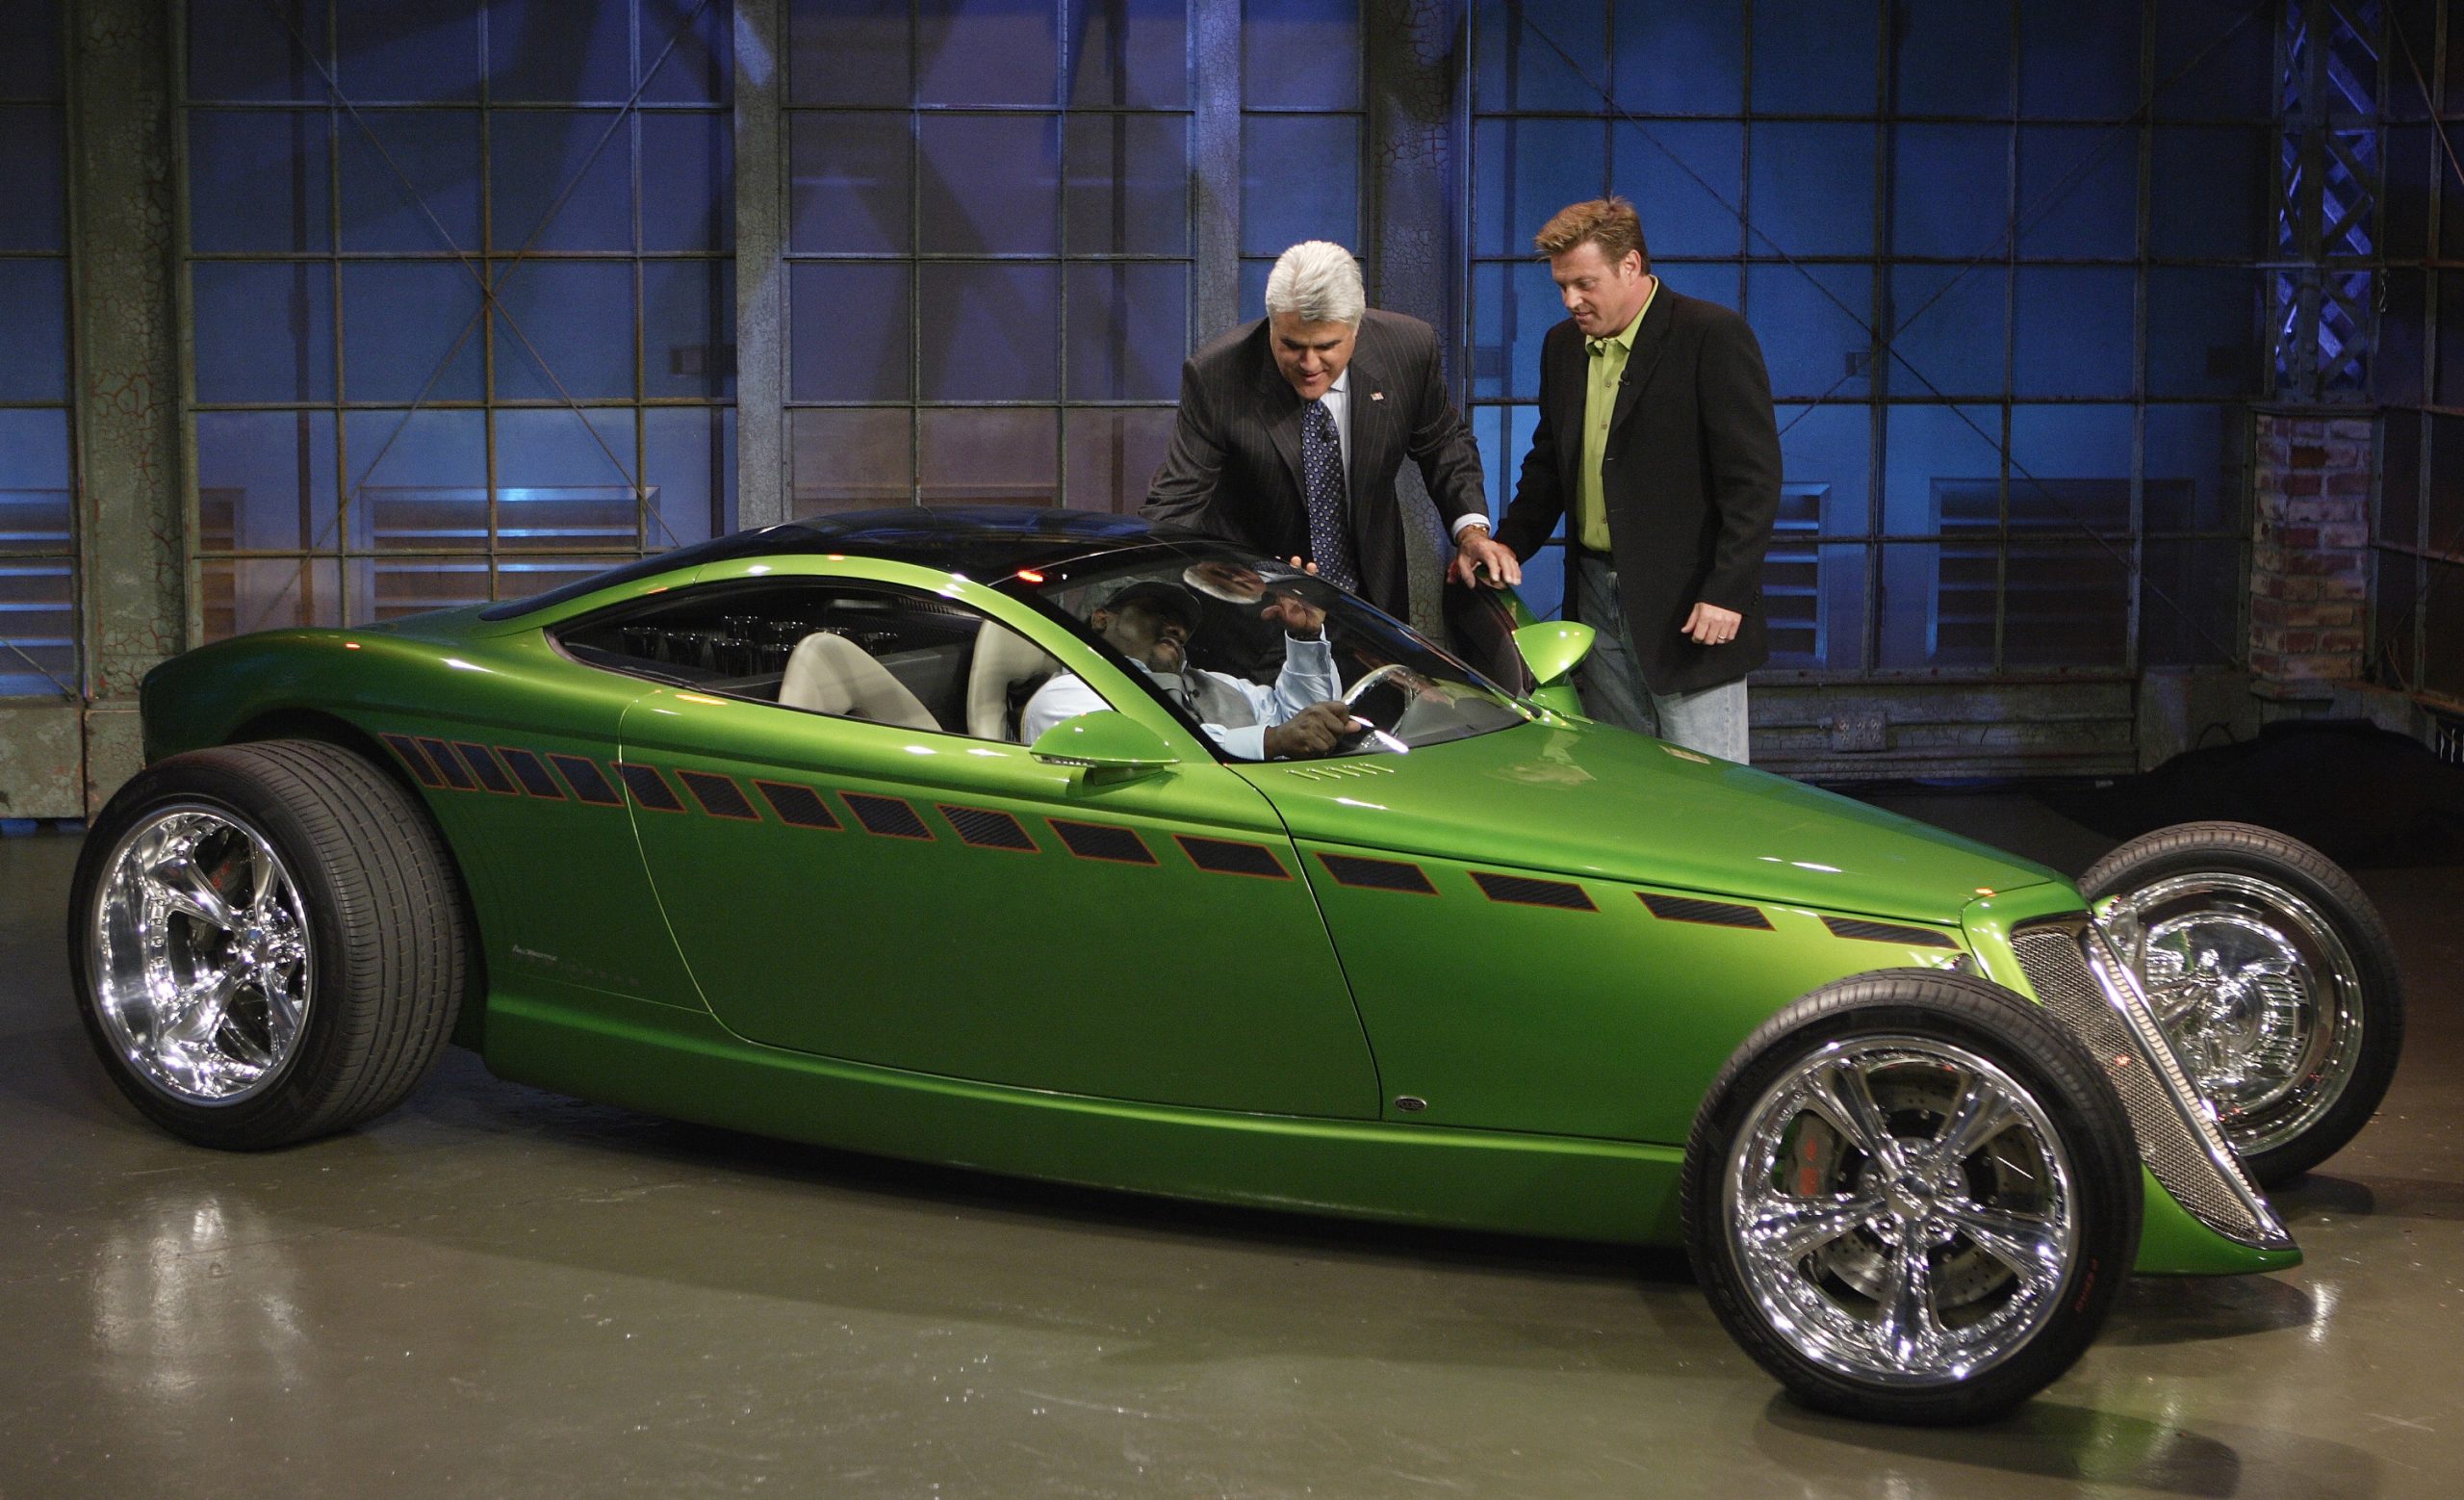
(869, 889)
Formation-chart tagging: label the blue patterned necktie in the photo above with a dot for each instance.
(1322, 467)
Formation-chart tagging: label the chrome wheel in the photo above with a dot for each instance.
(201, 960)
(1901, 1211)
(2257, 993)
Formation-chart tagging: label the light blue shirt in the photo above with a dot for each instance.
(1308, 677)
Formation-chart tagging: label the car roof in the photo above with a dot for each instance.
(984, 542)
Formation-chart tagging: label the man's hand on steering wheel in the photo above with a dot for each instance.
(1313, 731)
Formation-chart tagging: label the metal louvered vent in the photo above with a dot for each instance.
(1715, 914)
(1525, 891)
(1887, 932)
(2177, 1138)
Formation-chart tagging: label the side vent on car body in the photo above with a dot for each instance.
(449, 764)
(649, 788)
(1229, 857)
(798, 807)
(988, 828)
(1337, 771)
(1713, 913)
(1103, 842)
(1350, 870)
(589, 784)
(416, 759)
(533, 776)
(1525, 891)
(1887, 932)
(719, 796)
(886, 817)
(482, 763)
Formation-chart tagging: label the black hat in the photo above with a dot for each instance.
(1159, 598)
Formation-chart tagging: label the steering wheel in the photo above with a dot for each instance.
(1357, 694)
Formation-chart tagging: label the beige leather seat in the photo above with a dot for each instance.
(1002, 659)
(831, 674)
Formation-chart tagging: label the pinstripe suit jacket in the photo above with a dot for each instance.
(1233, 469)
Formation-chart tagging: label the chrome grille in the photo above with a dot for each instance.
(2177, 1137)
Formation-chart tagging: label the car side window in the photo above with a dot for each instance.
(889, 656)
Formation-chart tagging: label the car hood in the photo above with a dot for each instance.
(1581, 799)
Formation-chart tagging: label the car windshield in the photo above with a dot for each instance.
(1230, 641)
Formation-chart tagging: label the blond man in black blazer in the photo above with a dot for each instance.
(1291, 430)
(1655, 444)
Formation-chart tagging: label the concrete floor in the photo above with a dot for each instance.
(499, 1291)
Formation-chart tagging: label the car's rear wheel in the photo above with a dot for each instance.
(267, 941)
(2273, 976)
(1912, 1196)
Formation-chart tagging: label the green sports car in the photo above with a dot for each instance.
(1050, 843)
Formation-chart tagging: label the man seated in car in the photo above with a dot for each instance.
(1152, 622)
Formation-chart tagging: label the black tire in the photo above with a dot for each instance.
(2341, 1078)
(1917, 1031)
(379, 931)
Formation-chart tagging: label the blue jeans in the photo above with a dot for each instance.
(1610, 680)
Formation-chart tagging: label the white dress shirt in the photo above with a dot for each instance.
(1308, 677)
(1338, 399)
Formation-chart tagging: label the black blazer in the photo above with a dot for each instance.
(1691, 477)
(1234, 465)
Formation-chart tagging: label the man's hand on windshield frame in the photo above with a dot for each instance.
(1476, 550)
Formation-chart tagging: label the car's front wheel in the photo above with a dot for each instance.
(2273, 976)
(1912, 1196)
(267, 941)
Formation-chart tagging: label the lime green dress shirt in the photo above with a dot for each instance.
(1599, 403)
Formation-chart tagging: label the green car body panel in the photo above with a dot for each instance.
(1483, 984)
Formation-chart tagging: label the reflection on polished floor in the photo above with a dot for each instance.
(499, 1291)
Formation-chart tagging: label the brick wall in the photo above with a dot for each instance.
(2309, 550)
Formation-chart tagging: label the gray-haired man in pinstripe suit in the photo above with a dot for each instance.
(1292, 429)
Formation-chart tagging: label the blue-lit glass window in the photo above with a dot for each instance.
(1999, 308)
(40, 655)
(1814, 190)
(2078, 193)
(1953, 57)
(1679, 59)
(1692, 172)
(1301, 122)
(1820, 318)
(447, 262)
(2079, 59)
(1814, 57)
(990, 253)
(31, 167)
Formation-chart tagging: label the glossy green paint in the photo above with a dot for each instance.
(1155, 1026)
(1131, 975)
(1593, 801)
(673, 1063)
(558, 885)
(914, 949)
(1556, 695)
(2172, 1243)
(1553, 648)
(1106, 739)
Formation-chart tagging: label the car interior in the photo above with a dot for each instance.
(848, 650)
